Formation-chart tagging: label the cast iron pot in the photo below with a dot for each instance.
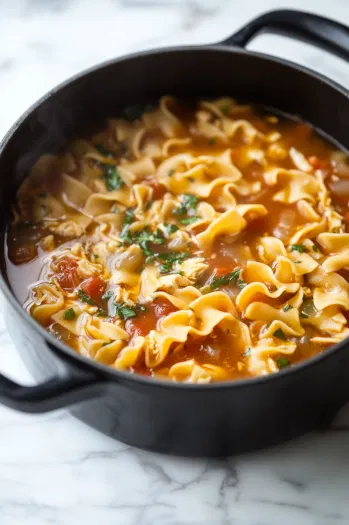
(193, 420)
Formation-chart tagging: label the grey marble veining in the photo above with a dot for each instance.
(53, 469)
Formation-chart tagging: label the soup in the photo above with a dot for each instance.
(192, 242)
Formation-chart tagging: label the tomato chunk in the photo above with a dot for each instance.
(158, 189)
(317, 163)
(67, 273)
(94, 287)
(146, 321)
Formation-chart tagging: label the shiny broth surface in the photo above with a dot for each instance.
(193, 243)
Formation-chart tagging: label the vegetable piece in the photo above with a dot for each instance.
(144, 238)
(227, 279)
(297, 248)
(69, 314)
(146, 321)
(124, 311)
(279, 334)
(128, 217)
(170, 259)
(85, 298)
(112, 179)
(308, 309)
(212, 141)
(107, 295)
(170, 228)
(67, 274)
(247, 352)
(282, 362)
(189, 220)
(189, 202)
(287, 308)
(94, 287)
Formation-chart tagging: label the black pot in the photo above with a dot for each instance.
(194, 420)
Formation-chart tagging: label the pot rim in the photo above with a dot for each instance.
(123, 375)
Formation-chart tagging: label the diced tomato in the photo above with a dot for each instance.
(94, 287)
(317, 163)
(67, 274)
(23, 254)
(146, 321)
(221, 270)
(158, 189)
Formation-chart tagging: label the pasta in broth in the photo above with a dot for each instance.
(195, 243)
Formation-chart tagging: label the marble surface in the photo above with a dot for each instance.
(53, 469)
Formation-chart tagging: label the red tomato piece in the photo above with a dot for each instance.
(67, 274)
(158, 189)
(94, 287)
(146, 321)
(317, 163)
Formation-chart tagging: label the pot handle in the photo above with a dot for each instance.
(322, 32)
(71, 386)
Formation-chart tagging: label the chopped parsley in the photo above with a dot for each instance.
(104, 151)
(315, 248)
(69, 314)
(107, 295)
(85, 298)
(189, 202)
(240, 283)
(169, 259)
(279, 334)
(112, 179)
(170, 228)
(247, 352)
(212, 141)
(102, 312)
(143, 238)
(189, 220)
(128, 217)
(303, 315)
(282, 361)
(124, 311)
(287, 308)
(171, 172)
(297, 248)
(227, 279)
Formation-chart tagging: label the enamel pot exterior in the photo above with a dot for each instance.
(191, 420)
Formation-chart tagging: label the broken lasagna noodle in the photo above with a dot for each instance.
(192, 243)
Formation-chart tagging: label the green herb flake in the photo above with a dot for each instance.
(315, 248)
(226, 279)
(287, 308)
(124, 312)
(282, 362)
(143, 238)
(85, 298)
(171, 172)
(279, 334)
(191, 179)
(240, 283)
(297, 262)
(189, 202)
(128, 217)
(102, 312)
(297, 248)
(189, 220)
(69, 314)
(212, 141)
(170, 259)
(303, 315)
(247, 352)
(107, 295)
(112, 179)
(142, 308)
(170, 228)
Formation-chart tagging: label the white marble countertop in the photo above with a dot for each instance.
(55, 470)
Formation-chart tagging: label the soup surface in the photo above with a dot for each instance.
(194, 243)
